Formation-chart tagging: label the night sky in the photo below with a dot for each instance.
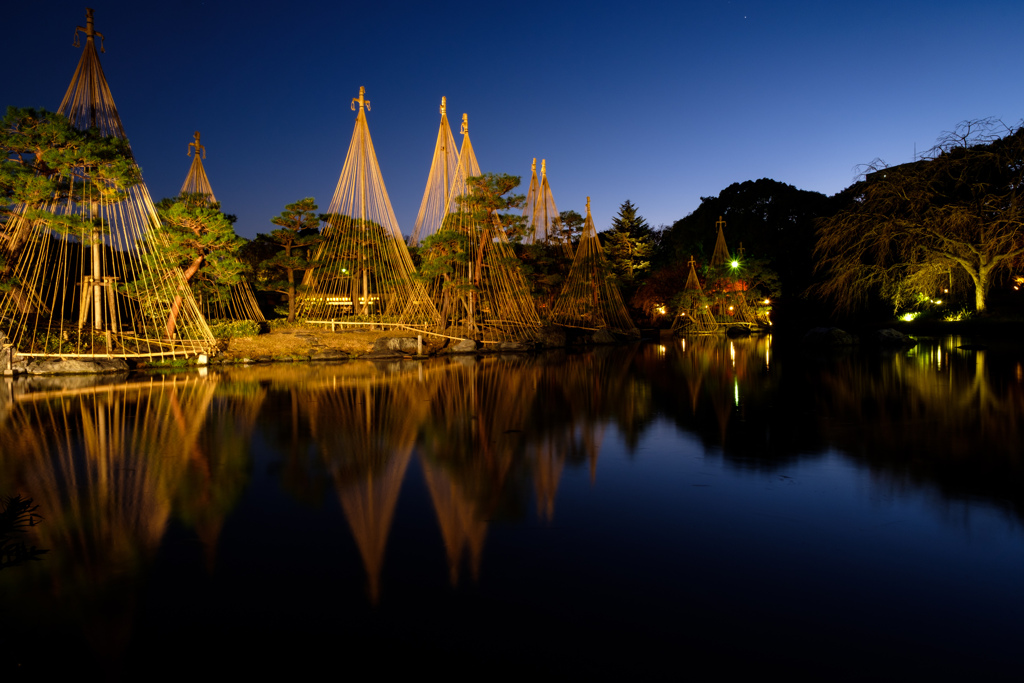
(657, 102)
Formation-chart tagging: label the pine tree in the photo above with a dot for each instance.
(201, 240)
(300, 231)
(629, 245)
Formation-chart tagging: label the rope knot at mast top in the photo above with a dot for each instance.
(89, 30)
(198, 147)
(361, 99)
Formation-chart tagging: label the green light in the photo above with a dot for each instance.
(735, 264)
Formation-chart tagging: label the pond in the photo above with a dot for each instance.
(689, 508)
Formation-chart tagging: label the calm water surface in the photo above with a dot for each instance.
(688, 509)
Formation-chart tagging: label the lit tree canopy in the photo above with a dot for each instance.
(201, 240)
(44, 155)
(628, 245)
(921, 227)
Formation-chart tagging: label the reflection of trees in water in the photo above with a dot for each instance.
(720, 389)
(475, 432)
(495, 426)
(934, 416)
(105, 464)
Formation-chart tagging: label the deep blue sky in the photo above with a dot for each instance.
(657, 102)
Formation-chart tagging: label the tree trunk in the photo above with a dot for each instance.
(291, 295)
(172, 319)
(981, 282)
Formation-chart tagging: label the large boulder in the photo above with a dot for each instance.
(550, 337)
(828, 336)
(329, 354)
(461, 346)
(890, 339)
(603, 336)
(74, 366)
(509, 346)
(400, 344)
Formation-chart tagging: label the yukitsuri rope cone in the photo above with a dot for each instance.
(364, 273)
(543, 221)
(443, 169)
(481, 293)
(95, 281)
(239, 304)
(729, 302)
(694, 317)
(589, 299)
(720, 256)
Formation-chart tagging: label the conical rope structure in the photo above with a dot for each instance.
(443, 169)
(531, 198)
(543, 221)
(590, 299)
(239, 303)
(728, 301)
(468, 166)
(364, 271)
(92, 277)
(479, 289)
(196, 181)
(720, 256)
(694, 316)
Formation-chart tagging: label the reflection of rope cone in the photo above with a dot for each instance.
(546, 474)
(462, 531)
(369, 508)
(366, 434)
(103, 464)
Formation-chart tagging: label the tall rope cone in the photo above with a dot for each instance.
(485, 295)
(104, 287)
(543, 222)
(443, 169)
(239, 302)
(364, 271)
(589, 299)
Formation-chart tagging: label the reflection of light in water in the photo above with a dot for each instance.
(683, 340)
(736, 391)
(938, 357)
(732, 354)
(767, 350)
(1020, 372)
(661, 349)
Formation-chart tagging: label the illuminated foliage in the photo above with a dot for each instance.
(927, 226)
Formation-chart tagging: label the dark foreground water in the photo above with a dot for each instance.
(687, 510)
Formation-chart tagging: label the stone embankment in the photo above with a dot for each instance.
(307, 343)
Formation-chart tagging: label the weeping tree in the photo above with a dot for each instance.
(923, 227)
